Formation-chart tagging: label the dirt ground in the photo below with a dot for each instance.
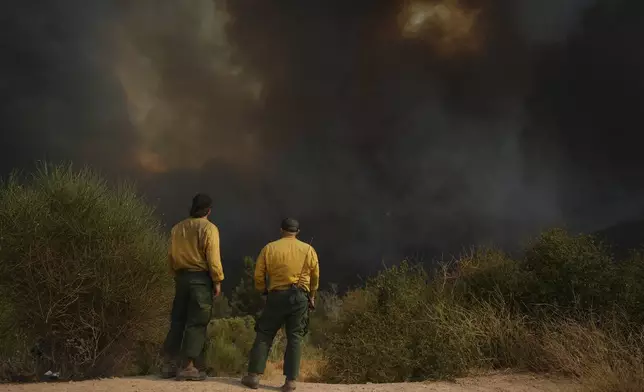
(489, 383)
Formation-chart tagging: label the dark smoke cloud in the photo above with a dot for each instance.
(550, 20)
(384, 146)
(590, 95)
(59, 97)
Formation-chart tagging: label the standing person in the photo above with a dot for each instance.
(195, 262)
(292, 269)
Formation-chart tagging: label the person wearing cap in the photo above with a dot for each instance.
(292, 270)
(195, 261)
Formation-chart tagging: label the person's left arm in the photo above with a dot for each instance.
(213, 255)
(315, 277)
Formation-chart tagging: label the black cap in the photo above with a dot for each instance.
(201, 203)
(290, 225)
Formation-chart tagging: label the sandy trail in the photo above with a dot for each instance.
(496, 383)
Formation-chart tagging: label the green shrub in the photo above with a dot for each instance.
(630, 276)
(402, 327)
(146, 358)
(84, 268)
(569, 273)
(7, 316)
(221, 307)
(15, 357)
(309, 351)
(488, 274)
(228, 345)
(246, 300)
(363, 346)
(230, 341)
(390, 331)
(325, 316)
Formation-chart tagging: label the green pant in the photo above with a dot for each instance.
(191, 311)
(289, 308)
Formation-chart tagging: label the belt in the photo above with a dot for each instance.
(189, 271)
(288, 287)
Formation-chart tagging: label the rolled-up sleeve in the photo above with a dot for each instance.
(213, 254)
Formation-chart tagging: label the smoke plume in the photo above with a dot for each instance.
(389, 128)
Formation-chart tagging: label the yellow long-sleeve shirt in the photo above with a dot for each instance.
(195, 247)
(286, 262)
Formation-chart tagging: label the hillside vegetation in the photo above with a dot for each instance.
(83, 277)
(84, 289)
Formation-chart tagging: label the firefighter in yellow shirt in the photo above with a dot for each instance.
(291, 268)
(195, 262)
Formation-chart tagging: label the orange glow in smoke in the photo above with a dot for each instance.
(446, 25)
(179, 134)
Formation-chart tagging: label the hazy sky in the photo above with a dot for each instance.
(389, 128)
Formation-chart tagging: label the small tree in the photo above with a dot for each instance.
(83, 266)
(221, 307)
(246, 300)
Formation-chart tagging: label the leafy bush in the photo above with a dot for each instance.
(84, 268)
(630, 295)
(433, 337)
(228, 345)
(221, 307)
(245, 299)
(570, 273)
(557, 310)
(488, 274)
(16, 363)
(325, 316)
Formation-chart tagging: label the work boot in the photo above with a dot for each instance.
(191, 373)
(169, 369)
(289, 386)
(251, 380)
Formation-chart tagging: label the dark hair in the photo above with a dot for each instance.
(201, 203)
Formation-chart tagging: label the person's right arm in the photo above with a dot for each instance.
(260, 271)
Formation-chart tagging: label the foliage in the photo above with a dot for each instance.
(83, 266)
(221, 307)
(231, 339)
(570, 273)
(603, 357)
(228, 345)
(434, 337)
(246, 300)
(629, 275)
(487, 274)
(557, 310)
(84, 289)
(325, 316)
